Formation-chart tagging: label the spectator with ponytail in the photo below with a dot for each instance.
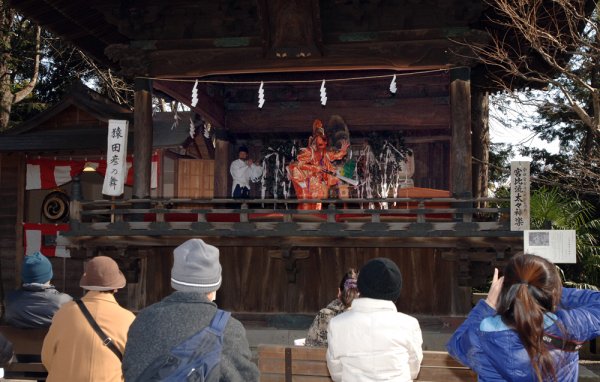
(529, 328)
(347, 291)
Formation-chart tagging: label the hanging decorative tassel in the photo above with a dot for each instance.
(276, 180)
(207, 128)
(195, 94)
(323, 94)
(176, 119)
(393, 87)
(261, 95)
(192, 129)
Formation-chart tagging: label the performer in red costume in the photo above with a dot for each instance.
(313, 172)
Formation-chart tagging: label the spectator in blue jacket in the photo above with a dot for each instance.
(529, 328)
(34, 304)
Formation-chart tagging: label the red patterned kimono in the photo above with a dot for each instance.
(309, 177)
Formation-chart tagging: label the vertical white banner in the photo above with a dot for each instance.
(519, 195)
(116, 158)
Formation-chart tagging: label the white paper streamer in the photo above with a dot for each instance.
(195, 94)
(261, 95)
(323, 94)
(393, 87)
(192, 129)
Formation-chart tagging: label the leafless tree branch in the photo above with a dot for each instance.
(537, 42)
(27, 89)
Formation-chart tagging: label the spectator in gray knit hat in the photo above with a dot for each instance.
(196, 277)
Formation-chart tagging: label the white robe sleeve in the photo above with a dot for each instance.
(239, 170)
(255, 172)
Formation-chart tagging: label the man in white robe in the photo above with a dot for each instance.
(243, 170)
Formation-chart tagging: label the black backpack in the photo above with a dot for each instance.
(194, 360)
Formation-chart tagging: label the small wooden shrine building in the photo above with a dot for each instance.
(274, 258)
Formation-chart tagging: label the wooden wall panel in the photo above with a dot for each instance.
(255, 281)
(154, 281)
(195, 178)
(9, 165)
(72, 117)
(67, 273)
(432, 164)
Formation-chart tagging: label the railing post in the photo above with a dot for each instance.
(376, 218)
(74, 212)
(330, 214)
(160, 216)
(420, 212)
(75, 204)
(244, 215)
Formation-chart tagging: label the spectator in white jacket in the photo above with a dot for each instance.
(373, 341)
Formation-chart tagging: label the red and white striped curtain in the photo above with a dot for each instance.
(45, 173)
(36, 237)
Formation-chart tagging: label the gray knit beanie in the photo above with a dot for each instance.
(196, 267)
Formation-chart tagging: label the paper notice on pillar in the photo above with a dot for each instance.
(558, 246)
(519, 195)
(116, 154)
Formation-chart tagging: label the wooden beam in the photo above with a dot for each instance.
(289, 241)
(460, 151)
(201, 146)
(431, 54)
(142, 151)
(264, 40)
(290, 29)
(480, 108)
(409, 85)
(20, 202)
(209, 107)
(222, 163)
(297, 117)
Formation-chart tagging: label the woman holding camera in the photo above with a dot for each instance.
(529, 328)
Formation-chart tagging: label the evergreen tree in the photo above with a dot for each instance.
(19, 60)
(37, 68)
(554, 68)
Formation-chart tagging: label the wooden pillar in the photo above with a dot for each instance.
(460, 296)
(460, 148)
(142, 135)
(20, 249)
(222, 163)
(480, 109)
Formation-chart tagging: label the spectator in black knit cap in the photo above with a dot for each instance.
(373, 341)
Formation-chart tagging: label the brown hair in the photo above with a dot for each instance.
(531, 288)
(348, 290)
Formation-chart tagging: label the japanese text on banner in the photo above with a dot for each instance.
(519, 195)
(116, 163)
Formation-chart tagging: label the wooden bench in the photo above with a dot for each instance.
(307, 364)
(27, 346)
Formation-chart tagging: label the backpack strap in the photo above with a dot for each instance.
(219, 321)
(556, 342)
(106, 340)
